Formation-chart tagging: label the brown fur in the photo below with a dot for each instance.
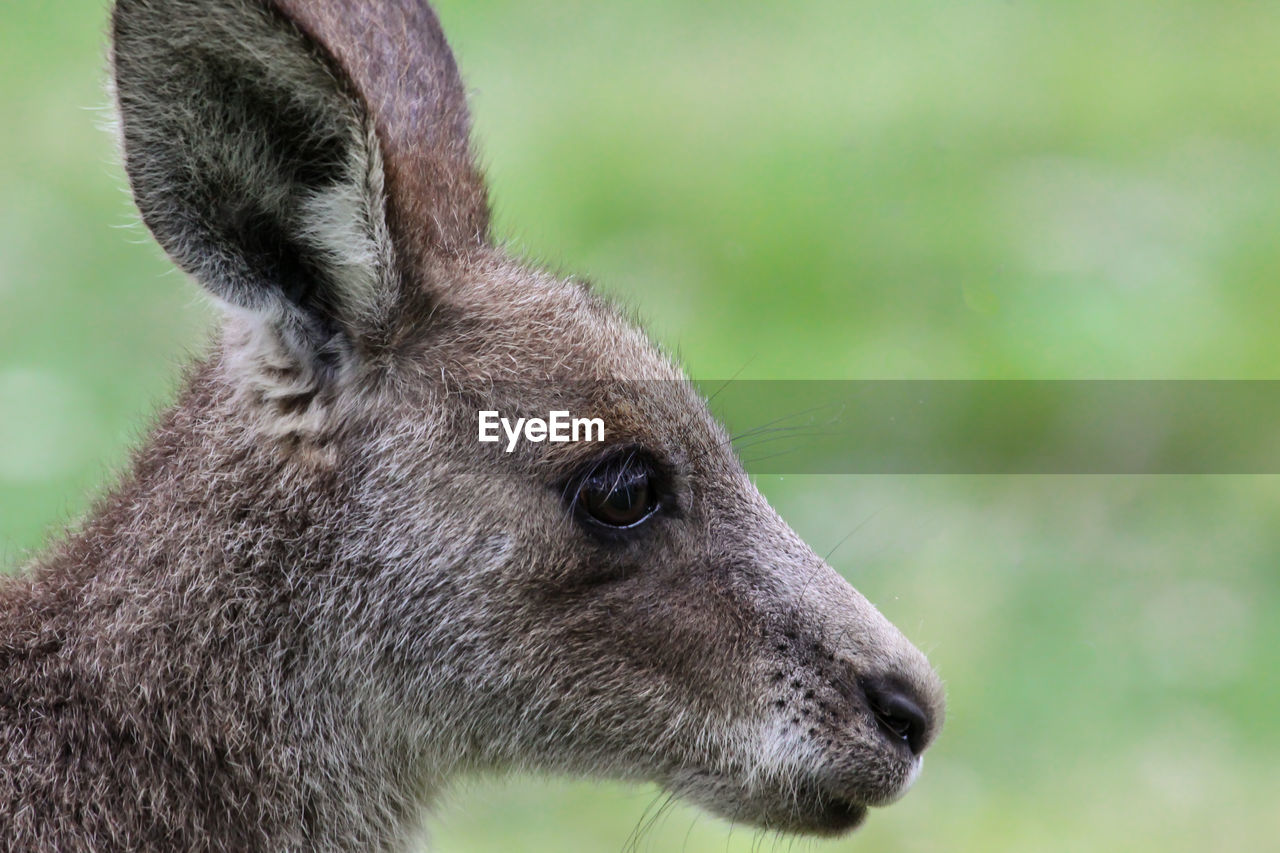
(316, 598)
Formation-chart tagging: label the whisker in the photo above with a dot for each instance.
(632, 843)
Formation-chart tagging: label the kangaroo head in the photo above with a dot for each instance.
(630, 608)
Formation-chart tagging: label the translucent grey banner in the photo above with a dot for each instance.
(1001, 427)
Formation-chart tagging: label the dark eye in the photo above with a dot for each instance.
(619, 493)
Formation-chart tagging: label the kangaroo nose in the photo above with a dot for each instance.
(900, 713)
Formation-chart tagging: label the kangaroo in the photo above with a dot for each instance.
(316, 598)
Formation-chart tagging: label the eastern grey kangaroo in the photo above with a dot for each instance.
(316, 598)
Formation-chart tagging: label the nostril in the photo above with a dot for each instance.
(899, 715)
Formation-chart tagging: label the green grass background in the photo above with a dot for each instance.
(824, 189)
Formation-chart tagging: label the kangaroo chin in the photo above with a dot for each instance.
(316, 597)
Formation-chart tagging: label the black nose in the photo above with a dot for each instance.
(900, 713)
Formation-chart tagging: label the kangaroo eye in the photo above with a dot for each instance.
(619, 494)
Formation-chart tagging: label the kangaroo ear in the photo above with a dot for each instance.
(398, 61)
(305, 160)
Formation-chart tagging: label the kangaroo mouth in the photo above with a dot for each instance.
(834, 816)
(807, 808)
(818, 813)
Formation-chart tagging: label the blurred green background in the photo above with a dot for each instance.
(824, 189)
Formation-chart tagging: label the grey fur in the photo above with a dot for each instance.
(316, 598)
